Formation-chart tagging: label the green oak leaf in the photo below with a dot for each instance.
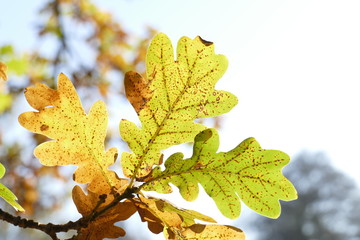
(6, 194)
(247, 172)
(174, 94)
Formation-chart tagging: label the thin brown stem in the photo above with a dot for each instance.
(52, 229)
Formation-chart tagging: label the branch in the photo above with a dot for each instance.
(63, 47)
(52, 229)
(49, 228)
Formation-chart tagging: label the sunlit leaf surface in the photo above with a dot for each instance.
(3, 69)
(173, 95)
(213, 232)
(6, 194)
(78, 137)
(164, 216)
(247, 172)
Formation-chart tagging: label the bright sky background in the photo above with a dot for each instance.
(295, 65)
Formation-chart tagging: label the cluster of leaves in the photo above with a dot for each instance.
(110, 51)
(173, 95)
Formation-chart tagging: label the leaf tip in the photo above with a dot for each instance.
(65, 83)
(62, 75)
(20, 209)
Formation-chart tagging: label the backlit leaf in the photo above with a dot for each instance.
(247, 172)
(161, 215)
(103, 226)
(3, 69)
(6, 194)
(174, 94)
(157, 219)
(213, 232)
(6, 50)
(78, 138)
(188, 216)
(18, 65)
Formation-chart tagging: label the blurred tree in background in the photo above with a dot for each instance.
(89, 45)
(327, 208)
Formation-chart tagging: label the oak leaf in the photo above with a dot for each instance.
(7, 195)
(162, 215)
(103, 226)
(212, 232)
(247, 172)
(78, 138)
(170, 98)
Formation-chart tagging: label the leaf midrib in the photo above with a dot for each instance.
(167, 116)
(216, 172)
(88, 140)
(201, 170)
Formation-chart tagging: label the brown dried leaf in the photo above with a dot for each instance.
(103, 226)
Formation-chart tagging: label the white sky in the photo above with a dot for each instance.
(294, 65)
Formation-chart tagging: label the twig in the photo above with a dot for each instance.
(51, 229)
(63, 46)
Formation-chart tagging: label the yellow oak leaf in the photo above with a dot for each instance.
(103, 226)
(173, 94)
(214, 232)
(161, 215)
(3, 69)
(78, 137)
(157, 219)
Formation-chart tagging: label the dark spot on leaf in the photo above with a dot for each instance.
(44, 127)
